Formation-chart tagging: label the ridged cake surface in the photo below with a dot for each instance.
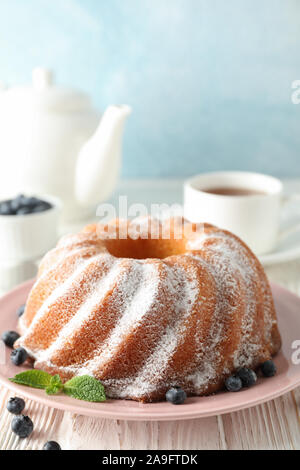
(143, 315)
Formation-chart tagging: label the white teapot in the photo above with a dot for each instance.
(51, 142)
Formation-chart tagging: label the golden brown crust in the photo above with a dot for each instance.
(145, 314)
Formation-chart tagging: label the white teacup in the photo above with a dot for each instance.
(254, 217)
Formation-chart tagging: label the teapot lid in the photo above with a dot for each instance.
(44, 94)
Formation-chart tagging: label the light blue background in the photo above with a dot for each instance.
(209, 80)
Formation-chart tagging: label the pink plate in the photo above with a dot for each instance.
(287, 378)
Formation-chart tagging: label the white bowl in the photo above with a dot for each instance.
(24, 238)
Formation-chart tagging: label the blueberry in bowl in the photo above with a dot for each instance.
(24, 205)
(5, 208)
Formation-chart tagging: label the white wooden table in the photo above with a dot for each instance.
(274, 425)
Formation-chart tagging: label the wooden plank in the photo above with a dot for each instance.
(273, 425)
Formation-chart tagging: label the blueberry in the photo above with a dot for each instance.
(41, 207)
(268, 369)
(176, 395)
(30, 202)
(9, 338)
(24, 211)
(20, 197)
(17, 202)
(51, 445)
(233, 384)
(6, 209)
(247, 376)
(22, 426)
(18, 356)
(21, 310)
(15, 405)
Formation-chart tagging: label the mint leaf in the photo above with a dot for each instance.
(55, 385)
(82, 388)
(33, 378)
(85, 388)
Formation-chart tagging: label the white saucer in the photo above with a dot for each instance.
(284, 253)
(288, 248)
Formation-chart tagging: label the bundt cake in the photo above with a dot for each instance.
(146, 312)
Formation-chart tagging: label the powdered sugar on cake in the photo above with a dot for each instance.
(162, 298)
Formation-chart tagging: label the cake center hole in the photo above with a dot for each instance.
(145, 248)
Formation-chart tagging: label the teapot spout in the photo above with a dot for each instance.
(99, 161)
